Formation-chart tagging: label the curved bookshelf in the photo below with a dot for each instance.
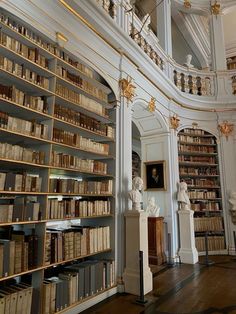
(198, 167)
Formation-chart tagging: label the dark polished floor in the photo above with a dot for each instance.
(183, 289)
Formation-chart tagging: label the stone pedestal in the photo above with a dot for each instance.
(188, 252)
(136, 240)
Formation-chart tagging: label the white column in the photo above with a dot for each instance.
(187, 252)
(123, 178)
(217, 43)
(164, 25)
(136, 240)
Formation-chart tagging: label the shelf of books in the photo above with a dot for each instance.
(198, 167)
(57, 167)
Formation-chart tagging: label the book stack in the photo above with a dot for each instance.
(195, 140)
(73, 139)
(81, 100)
(197, 159)
(202, 182)
(80, 187)
(82, 120)
(66, 244)
(77, 282)
(21, 98)
(205, 206)
(23, 209)
(50, 47)
(30, 53)
(215, 243)
(39, 130)
(209, 171)
(16, 152)
(23, 72)
(18, 254)
(10, 181)
(196, 149)
(82, 83)
(71, 208)
(202, 194)
(73, 162)
(16, 298)
(208, 224)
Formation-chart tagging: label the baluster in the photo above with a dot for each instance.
(186, 84)
(208, 86)
(203, 86)
(194, 85)
(178, 80)
(106, 5)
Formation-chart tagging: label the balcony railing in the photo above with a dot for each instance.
(188, 80)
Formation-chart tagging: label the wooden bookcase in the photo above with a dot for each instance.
(199, 168)
(57, 169)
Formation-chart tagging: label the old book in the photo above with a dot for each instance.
(2, 180)
(1, 260)
(46, 297)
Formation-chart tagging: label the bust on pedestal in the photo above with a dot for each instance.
(136, 240)
(187, 252)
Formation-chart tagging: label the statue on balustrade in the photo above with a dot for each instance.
(135, 194)
(182, 196)
(188, 61)
(153, 209)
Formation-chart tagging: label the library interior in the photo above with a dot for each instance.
(117, 156)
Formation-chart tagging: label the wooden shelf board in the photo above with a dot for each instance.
(85, 299)
(200, 175)
(187, 153)
(205, 199)
(22, 273)
(76, 218)
(195, 144)
(195, 135)
(22, 222)
(203, 187)
(193, 163)
(76, 258)
(37, 139)
(77, 194)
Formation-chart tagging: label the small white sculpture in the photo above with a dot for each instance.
(153, 209)
(182, 197)
(232, 201)
(188, 61)
(135, 195)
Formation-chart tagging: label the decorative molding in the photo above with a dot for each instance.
(226, 128)
(174, 122)
(127, 88)
(152, 105)
(187, 4)
(215, 8)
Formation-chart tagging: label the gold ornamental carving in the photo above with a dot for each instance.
(174, 122)
(226, 128)
(152, 105)
(215, 8)
(127, 88)
(187, 4)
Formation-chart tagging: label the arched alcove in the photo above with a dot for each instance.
(199, 168)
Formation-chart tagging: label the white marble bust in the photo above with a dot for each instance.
(153, 209)
(135, 195)
(188, 61)
(182, 196)
(232, 200)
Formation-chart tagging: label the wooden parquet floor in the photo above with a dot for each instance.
(183, 289)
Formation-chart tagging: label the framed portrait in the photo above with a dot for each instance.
(154, 175)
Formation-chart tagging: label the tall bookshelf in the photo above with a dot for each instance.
(57, 169)
(199, 168)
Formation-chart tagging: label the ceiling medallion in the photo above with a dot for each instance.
(127, 88)
(187, 4)
(174, 122)
(226, 128)
(152, 105)
(215, 8)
